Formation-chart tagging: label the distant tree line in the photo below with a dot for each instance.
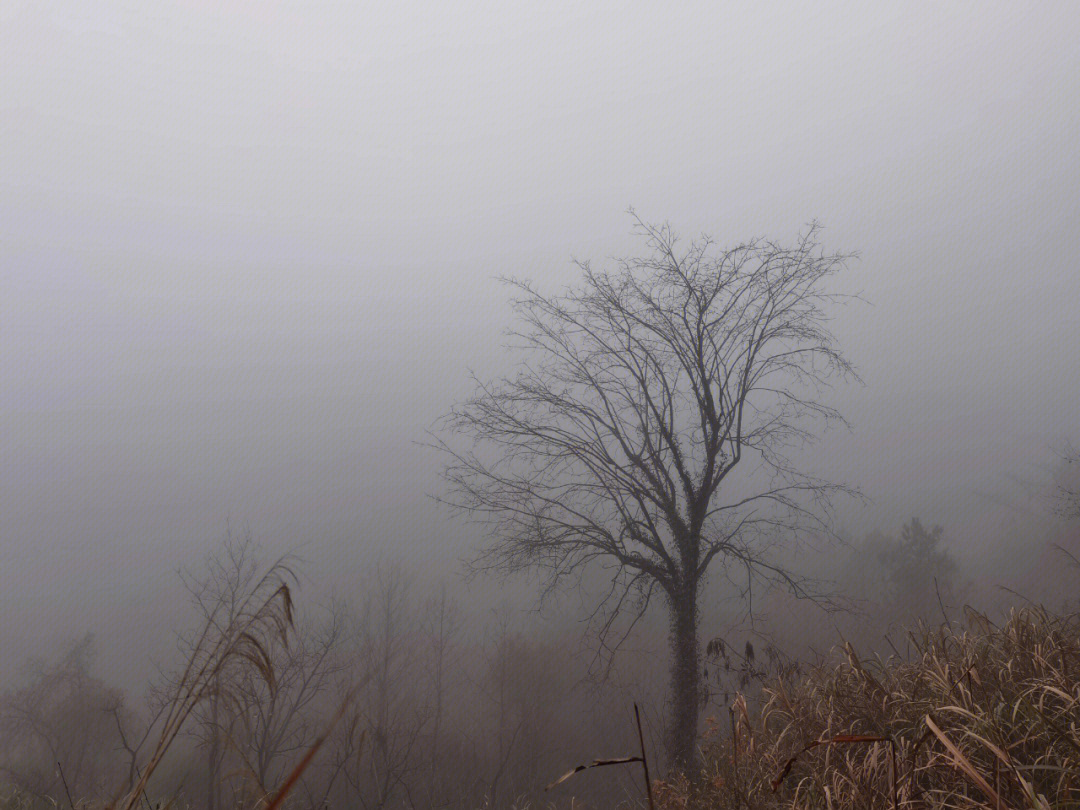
(427, 714)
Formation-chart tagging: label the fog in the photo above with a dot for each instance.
(248, 256)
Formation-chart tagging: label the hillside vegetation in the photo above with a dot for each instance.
(982, 715)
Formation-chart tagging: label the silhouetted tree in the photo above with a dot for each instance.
(919, 567)
(640, 392)
(901, 580)
(275, 721)
(440, 626)
(245, 619)
(59, 718)
(219, 592)
(391, 712)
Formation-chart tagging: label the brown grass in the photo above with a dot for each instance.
(981, 716)
(264, 610)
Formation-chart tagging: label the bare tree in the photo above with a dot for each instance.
(525, 713)
(218, 593)
(640, 391)
(132, 740)
(59, 719)
(390, 714)
(439, 628)
(274, 722)
(244, 617)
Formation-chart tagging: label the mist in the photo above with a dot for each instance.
(249, 256)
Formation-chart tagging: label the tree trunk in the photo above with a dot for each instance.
(212, 758)
(685, 681)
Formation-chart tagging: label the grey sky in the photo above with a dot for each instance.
(247, 250)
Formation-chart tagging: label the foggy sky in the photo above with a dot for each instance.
(248, 249)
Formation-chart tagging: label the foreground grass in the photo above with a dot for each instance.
(979, 716)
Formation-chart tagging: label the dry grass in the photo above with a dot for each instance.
(263, 610)
(982, 716)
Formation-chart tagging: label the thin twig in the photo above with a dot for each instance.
(67, 790)
(644, 761)
(940, 603)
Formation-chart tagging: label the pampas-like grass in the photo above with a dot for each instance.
(982, 717)
(266, 611)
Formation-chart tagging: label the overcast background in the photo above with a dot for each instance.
(248, 249)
